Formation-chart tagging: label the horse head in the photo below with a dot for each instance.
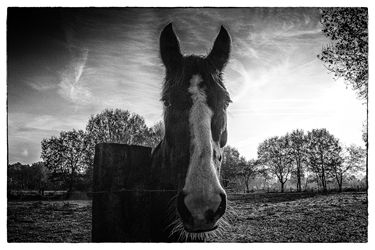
(195, 102)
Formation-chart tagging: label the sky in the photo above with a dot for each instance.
(64, 65)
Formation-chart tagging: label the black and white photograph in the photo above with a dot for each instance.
(216, 124)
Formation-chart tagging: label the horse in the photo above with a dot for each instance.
(189, 157)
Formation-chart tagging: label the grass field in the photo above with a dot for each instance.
(298, 218)
(269, 217)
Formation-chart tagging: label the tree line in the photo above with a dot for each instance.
(316, 155)
(68, 158)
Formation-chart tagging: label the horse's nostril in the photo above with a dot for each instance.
(223, 204)
(210, 215)
(182, 209)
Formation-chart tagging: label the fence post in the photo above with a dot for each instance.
(119, 215)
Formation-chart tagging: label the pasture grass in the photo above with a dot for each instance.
(265, 217)
(293, 217)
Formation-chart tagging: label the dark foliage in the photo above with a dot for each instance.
(347, 55)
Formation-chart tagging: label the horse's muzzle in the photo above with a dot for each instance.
(204, 221)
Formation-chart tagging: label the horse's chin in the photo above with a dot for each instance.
(201, 230)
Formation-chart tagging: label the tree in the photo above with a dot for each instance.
(64, 156)
(17, 176)
(41, 175)
(263, 173)
(156, 134)
(323, 154)
(247, 171)
(353, 160)
(275, 153)
(354, 157)
(347, 55)
(297, 146)
(53, 158)
(118, 126)
(229, 166)
(26, 177)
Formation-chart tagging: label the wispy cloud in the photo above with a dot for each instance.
(42, 83)
(70, 87)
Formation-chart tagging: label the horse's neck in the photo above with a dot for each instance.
(157, 155)
(161, 172)
(160, 154)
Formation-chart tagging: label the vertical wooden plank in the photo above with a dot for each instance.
(121, 216)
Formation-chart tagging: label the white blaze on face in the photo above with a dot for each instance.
(202, 184)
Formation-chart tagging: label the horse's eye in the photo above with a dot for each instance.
(166, 103)
(223, 138)
(226, 104)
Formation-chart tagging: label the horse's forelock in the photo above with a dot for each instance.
(175, 90)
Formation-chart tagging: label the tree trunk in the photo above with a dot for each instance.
(282, 186)
(318, 182)
(298, 177)
(71, 182)
(247, 186)
(324, 183)
(324, 186)
(265, 183)
(340, 184)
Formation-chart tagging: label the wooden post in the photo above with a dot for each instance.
(118, 214)
(132, 198)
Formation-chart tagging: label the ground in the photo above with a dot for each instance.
(290, 217)
(296, 218)
(49, 221)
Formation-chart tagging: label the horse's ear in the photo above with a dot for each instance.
(219, 54)
(169, 47)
